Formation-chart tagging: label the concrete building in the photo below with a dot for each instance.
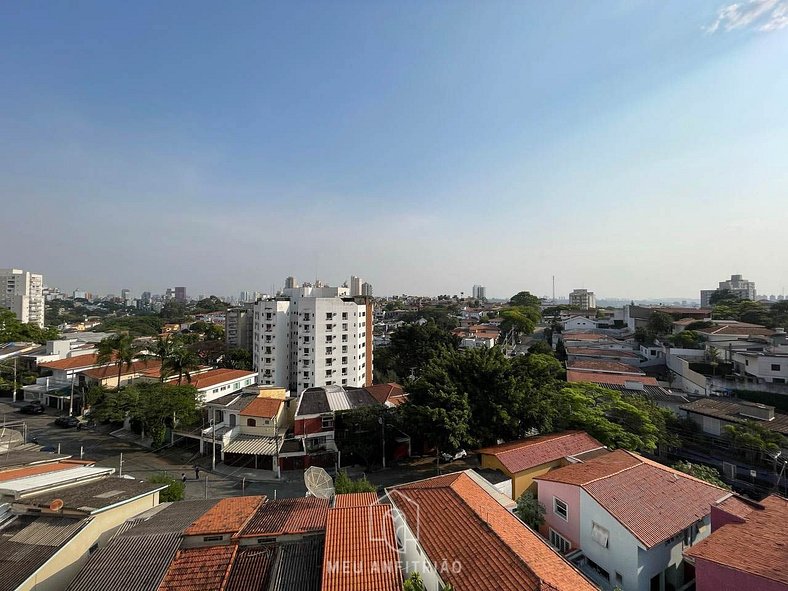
(239, 323)
(180, 294)
(22, 293)
(313, 336)
(479, 292)
(736, 285)
(291, 282)
(366, 289)
(583, 299)
(355, 285)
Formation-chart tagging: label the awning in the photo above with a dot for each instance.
(251, 445)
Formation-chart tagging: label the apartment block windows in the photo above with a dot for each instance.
(559, 542)
(560, 508)
(775, 367)
(344, 315)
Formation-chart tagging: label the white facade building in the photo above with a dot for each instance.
(313, 336)
(736, 285)
(479, 292)
(22, 293)
(583, 299)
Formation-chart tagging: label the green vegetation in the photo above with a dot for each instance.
(237, 359)
(140, 325)
(415, 583)
(755, 440)
(359, 433)
(530, 510)
(345, 484)
(688, 339)
(522, 315)
(119, 349)
(707, 473)
(411, 347)
(12, 330)
(728, 306)
(175, 490)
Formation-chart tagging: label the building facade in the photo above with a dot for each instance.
(22, 293)
(239, 321)
(583, 299)
(479, 292)
(313, 336)
(736, 285)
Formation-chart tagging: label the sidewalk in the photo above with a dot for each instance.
(251, 475)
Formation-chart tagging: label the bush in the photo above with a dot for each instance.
(175, 488)
(530, 510)
(345, 484)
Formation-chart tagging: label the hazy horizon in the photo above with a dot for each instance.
(624, 146)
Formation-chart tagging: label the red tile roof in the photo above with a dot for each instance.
(584, 336)
(111, 371)
(287, 516)
(759, 546)
(737, 506)
(457, 520)
(535, 451)
(654, 502)
(38, 469)
(227, 516)
(391, 393)
(608, 378)
(217, 376)
(78, 362)
(263, 407)
(591, 352)
(601, 365)
(361, 550)
(355, 500)
(199, 569)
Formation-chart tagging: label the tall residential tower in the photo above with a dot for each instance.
(22, 293)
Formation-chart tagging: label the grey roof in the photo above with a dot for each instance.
(298, 566)
(492, 476)
(27, 542)
(251, 568)
(252, 445)
(734, 412)
(653, 393)
(234, 401)
(129, 563)
(95, 495)
(332, 398)
(167, 518)
(16, 458)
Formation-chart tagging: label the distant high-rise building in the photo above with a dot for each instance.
(291, 282)
(583, 299)
(366, 289)
(313, 336)
(479, 292)
(355, 285)
(169, 294)
(180, 294)
(22, 292)
(146, 297)
(238, 327)
(736, 285)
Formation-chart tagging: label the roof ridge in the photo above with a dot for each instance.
(228, 570)
(682, 474)
(626, 451)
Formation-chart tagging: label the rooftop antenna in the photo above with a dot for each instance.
(318, 483)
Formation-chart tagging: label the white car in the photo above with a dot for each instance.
(450, 458)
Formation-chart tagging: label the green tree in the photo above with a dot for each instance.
(181, 361)
(415, 583)
(175, 490)
(412, 347)
(722, 296)
(237, 358)
(119, 349)
(12, 330)
(344, 484)
(707, 473)
(525, 299)
(359, 432)
(173, 311)
(644, 336)
(540, 347)
(687, 339)
(660, 324)
(530, 510)
(753, 440)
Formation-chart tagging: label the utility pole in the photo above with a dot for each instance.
(382, 422)
(213, 441)
(71, 397)
(14, 393)
(120, 466)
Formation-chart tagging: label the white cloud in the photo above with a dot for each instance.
(762, 15)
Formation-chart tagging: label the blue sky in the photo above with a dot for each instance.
(637, 148)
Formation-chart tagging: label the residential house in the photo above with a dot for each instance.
(107, 375)
(452, 529)
(712, 414)
(626, 520)
(579, 323)
(746, 549)
(761, 366)
(630, 357)
(55, 390)
(528, 458)
(638, 316)
(215, 383)
(390, 395)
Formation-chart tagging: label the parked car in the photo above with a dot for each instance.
(34, 408)
(450, 458)
(67, 422)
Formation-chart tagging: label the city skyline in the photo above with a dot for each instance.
(635, 149)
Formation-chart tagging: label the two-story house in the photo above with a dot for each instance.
(625, 520)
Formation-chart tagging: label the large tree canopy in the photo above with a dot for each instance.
(12, 330)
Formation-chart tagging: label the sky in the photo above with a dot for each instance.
(636, 148)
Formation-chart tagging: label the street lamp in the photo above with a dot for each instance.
(383, 437)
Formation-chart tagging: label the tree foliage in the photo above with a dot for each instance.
(754, 439)
(530, 510)
(688, 339)
(12, 330)
(415, 583)
(175, 490)
(119, 349)
(237, 358)
(358, 432)
(707, 473)
(410, 349)
(138, 325)
(345, 484)
(659, 323)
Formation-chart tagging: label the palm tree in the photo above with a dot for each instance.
(119, 348)
(162, 350)
(181, 360)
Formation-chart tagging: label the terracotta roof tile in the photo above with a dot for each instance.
(759, 546)
(601, 365)
(459, 522)
(608, 378)
(591, 352)
(361, 550)
(227, 516)
(355, 500)
(591, 470)
(391, 393)
(78, 362)
(217, 376)
(199, 569)
(737, 506)
(35, 470)
(534, 451)
(147, 366)
(263, 407)
(287, 516)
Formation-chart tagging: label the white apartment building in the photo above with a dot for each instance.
(313, 336)
(479, 292)
(22, 293)
(736, 285)
(583, 299)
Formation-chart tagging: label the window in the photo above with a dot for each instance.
(306, 339)
(775, 367)
(344, 326)
(599, 534)
(251, 423)
(619, 580)
(328, 422)
(306, 315)
(560, 508)
(212, 538)
(329, 316)
(559, 542)
(344, 315)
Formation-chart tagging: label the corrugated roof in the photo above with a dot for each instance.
(457, 520)
(731, 410)
(528, 453)
(128, 563)
(363, 535)
(28, 458)
(331, 399)
(94, 495)
(227, 516)
(298, 566)
(252, 445)
(608, 378)
(34, 470)
(288, 516)
(199, 569)
(251, 568)
(168, 518)
(31, 484)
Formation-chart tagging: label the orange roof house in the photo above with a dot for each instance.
(528, 458)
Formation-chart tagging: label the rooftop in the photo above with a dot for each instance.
(390, 393)
(199, 569)
(592, 352)
(78, 362)
(227, 516)
(737, 411)
(517, 456)
(600, 365)
(757, 546)
(262, 407)
(40, 482)
(652, 501)
(458, 520)
(288, 516)
(608, 378)
(355, 500)
(95, 495)
(327, 399)
(37, 469)
(214, 377)
(297, 567)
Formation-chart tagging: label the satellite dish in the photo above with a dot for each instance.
(318, 483)
(56, 505)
